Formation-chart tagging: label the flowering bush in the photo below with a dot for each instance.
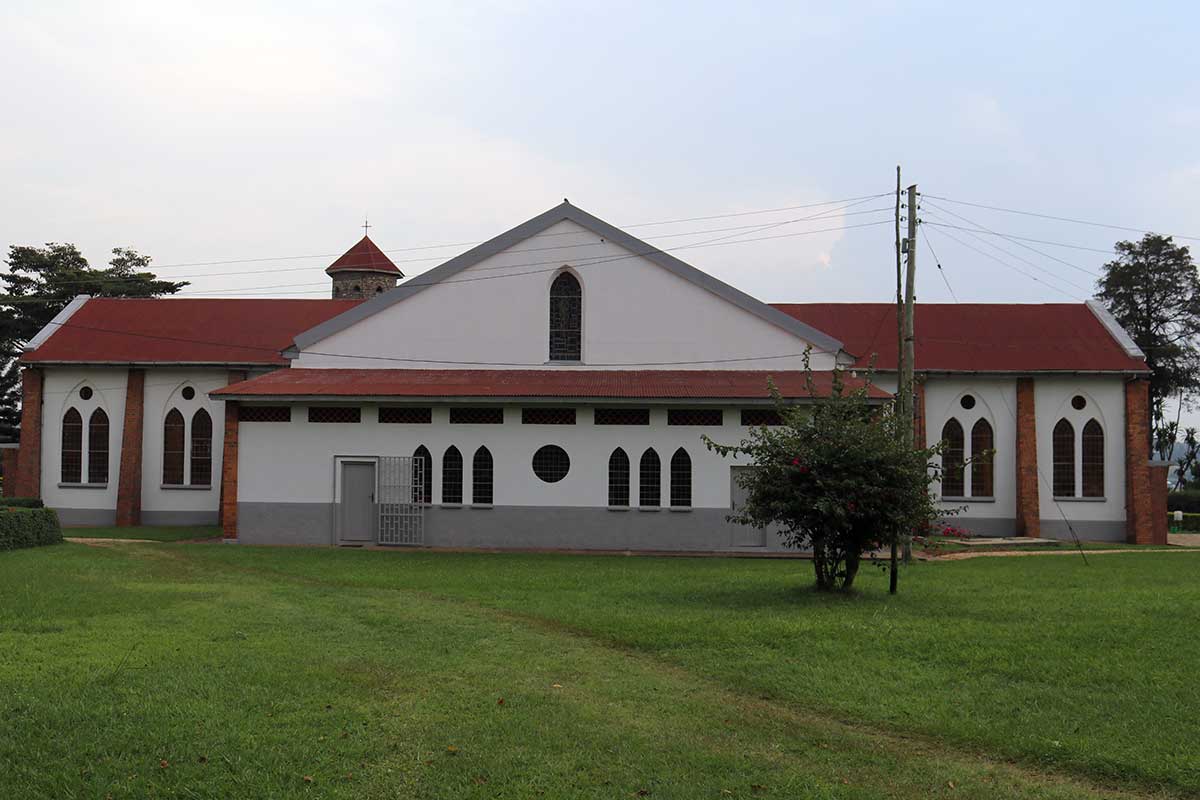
(835, 477)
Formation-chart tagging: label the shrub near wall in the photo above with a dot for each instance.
(21, 502)
(1187, 501)
(28, 527)
(1191, 522)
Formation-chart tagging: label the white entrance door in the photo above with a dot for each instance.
(743, 535)
(356, 511)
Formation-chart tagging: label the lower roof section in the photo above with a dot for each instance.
(574, 384)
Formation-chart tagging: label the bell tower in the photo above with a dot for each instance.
(362, 272)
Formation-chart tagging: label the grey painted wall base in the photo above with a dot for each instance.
(181, 518)
(1096, 531)
(523, 527)
(86, 517)
(285, 523)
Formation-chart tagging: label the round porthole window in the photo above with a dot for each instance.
(188, 393)
(551, 463)
(967, 401)
(86, 393)
(1078, 402)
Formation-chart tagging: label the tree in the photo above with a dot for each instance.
(40, 282)
(1153, 290)
(837, 478)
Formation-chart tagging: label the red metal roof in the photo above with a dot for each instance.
(183, 330)
(363, 257)
(555, 383)
(975, 337)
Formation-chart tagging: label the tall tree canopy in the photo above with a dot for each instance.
(1153, 290)
(39, 283)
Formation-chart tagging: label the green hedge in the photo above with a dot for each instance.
(1191, 522)
(1187, 501)
(28, 527)
(20, 502)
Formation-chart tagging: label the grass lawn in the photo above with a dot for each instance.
(165, 534)
(217, 671)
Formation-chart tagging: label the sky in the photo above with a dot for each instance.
(253, 133)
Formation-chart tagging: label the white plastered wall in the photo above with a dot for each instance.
(60, 391)
(294, 462)
(496, 313)
(164, 391)
(1105, 398)
(995, 401)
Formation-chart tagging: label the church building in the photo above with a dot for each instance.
(549, 388)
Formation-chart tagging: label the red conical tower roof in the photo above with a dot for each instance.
(364, 257)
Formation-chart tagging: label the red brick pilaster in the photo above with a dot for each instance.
(29, 464)
(9, 454)
(1029, 514)
(919, 437)
(1138, 501)
(229, 473)
(129, 478)
(1158, 501)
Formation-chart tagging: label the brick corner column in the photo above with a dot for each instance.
(1158, 471)
(1139, 521)
(1029, 513)
(919, 437)
(229, 473)
(129, 477)
(29, 464)
(11, 470)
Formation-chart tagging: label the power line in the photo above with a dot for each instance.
(1008, 265)
(1015, 238)
(937, 261)
(557, 264)
(475, 242)
(1027, 262)
(1017, 243)
(1058, 219)
(539, 365)
(747, 228)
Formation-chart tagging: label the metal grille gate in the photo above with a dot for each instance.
(401, 500)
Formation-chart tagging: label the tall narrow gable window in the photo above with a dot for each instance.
(681, 479)
(201, 449)
(173, 449)
(650, 480)
(566, 318)
(618, 478)
(98, 447)
(72, 447)
(481, 477)
(1093, 459)
(953, 480)
(982, 441)
(1063, 446)
(423, 482)
(452, 476)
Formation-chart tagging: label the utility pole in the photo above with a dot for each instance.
(895, 571)
(906, 365)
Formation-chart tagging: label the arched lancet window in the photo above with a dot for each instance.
(618, 478)
(201, 449)
(481, 477)
(566, 318)
(681, 479)
(1063, 445)
(1093, 459)
(953, 456)
(452, 476)
(650, 479)
(72, 447)
(98, 447)
(423, 480)
(982, 440)
(173, 446)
